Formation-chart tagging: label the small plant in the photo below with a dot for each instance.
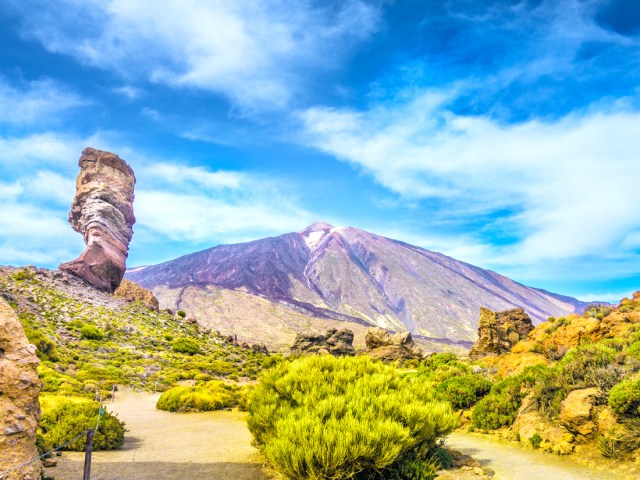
(186, 345)
(624, 398)
(91, 332)
(535, 440)
(181, 313)
(464, 391)
(212, 395)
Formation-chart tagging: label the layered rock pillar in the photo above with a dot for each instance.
(102, 211)
(19, 405)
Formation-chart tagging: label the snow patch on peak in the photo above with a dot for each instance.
(316, 232)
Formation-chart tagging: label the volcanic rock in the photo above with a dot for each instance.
(336, 342)
(576, 409)
(499, 331)
(388, 348)
(102, 211)
(132, 292)
(19, 405)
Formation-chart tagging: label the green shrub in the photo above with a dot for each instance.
(500, 407)
(91, 332)
(464, 391)
(624, 398)
(350, 418)
(213, 395)
(535, 440)
(62, 418)
(186, 345)
(181, 313)
(46, 347)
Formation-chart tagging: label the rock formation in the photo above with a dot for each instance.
(132, 292)
(102, 211)
(387, 347)
(19, 406)
(499, 331)
(336, 342)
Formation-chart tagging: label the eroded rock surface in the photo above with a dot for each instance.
(336, 342)
(390, 347)
(102, 211)
(576, 411)
(132, 292)
(499, 331)
(19, 405)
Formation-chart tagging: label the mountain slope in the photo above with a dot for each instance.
(347, 274)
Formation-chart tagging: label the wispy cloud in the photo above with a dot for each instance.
(571, 182)
(194, 204)
(36, 102)
(251, 52)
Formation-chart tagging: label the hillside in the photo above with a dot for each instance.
(344, 275)
(88, 340)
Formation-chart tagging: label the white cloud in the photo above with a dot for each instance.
(250, 51)
(36, 102)
(194, 204)
(573, 181)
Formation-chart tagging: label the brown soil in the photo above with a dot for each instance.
(161, 445)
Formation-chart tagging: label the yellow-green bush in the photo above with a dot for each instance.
(322, 417)
(62, 418)
(212, 395)
(624, 398)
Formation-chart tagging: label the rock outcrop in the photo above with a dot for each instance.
(132, 292)
(19, 406)
(576, 411)
(336, 342)
(388, 348)
(499, 331)
(102, 211)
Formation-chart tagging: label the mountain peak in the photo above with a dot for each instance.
(315, 233)
(317, 227)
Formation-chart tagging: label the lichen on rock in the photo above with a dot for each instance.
(102, 211)
(19, 405)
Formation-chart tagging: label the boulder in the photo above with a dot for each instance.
(102, 211)
(336, 342)
(499, 331)
(576, 409)
(388, 347)
(132, 292)
(19, 405)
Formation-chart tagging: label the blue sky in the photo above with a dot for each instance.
(503, 133)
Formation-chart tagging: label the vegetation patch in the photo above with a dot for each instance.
(349, 418)
(208, 396)
(63, 418)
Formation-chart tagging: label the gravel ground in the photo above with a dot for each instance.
(162, 445)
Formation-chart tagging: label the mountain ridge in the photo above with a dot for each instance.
(350, 275)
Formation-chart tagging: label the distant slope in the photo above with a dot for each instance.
(347, 274)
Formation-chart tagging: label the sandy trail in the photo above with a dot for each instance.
(161, 445)
(512, 462)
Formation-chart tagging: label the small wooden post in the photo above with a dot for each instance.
(87, 455)
(113, 393)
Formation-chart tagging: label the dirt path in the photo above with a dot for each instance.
(512, 462)
(161, 445)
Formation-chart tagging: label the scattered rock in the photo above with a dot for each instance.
(575, 411)
(336, 342)
(49, 462)
(499, 331)
(19, 405)
(132, 292)
(390, 347)
(102, 211)
(259, 348)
